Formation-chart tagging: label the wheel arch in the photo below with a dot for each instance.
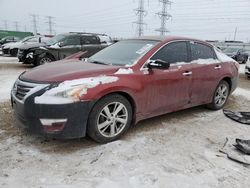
(128, 97)
(50, 55)
(229, 81)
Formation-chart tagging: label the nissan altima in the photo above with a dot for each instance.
(129, 81)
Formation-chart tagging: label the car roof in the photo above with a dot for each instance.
(169, 39)
(83, 34)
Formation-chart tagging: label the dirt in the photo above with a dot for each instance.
(175, 150)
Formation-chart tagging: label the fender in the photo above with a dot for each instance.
(134, 90)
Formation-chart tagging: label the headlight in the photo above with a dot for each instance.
(72, 90)
(14, 88)
(62, 95)
(30, 55)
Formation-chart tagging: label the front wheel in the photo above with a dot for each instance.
(220, 96)
(110, 118)
(44, 59)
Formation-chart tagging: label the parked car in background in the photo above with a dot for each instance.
(240, 55)
(122, 84)
(12, 47)
(62, 46)
(247, 68)
(8, 39)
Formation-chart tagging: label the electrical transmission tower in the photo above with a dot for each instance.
(164, 16)
(16, 25)
(141, 13)
(34, 21)
(51, 23)
(5, 24)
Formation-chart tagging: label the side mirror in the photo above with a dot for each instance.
(60, 44)
(158, 64)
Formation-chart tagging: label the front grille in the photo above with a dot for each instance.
(23, 89)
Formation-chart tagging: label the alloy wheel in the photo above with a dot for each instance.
(112, 119)
(221, 95)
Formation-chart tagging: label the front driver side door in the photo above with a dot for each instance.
(70, 45)
(169, 90)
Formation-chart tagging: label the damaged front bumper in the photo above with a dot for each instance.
(52, 120)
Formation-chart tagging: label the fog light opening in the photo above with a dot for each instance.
(53, 125)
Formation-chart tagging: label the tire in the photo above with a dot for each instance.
(13, 52)
(244, 61)
(106, 125)
(220, 96)
(43, 59)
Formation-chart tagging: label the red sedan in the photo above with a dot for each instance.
(127, 82)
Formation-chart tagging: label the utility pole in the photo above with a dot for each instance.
(16, 25)
(34, 21)
(5, 24)
(164, 16)
(141, 13)
(50, 18)
(235, 33)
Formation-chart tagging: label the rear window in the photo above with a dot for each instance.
(201, 51)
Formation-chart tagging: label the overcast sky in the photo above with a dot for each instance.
(204, 19)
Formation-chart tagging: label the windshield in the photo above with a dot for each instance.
(55, 39)
(123, 52)
(230, 50)
(27, 38)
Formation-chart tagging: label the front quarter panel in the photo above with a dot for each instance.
(131, 84)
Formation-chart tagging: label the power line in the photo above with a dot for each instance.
(164, 16)
(141, 13)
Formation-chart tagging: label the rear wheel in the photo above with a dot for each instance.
(110, 118)
(220, 96)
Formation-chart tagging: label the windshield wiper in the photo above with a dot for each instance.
(98, 62)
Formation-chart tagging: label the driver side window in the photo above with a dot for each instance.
(173, 53)
(72, 40)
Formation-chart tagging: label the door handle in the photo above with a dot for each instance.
(217, 67)
(188, 73)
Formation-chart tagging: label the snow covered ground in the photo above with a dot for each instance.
(177, 150)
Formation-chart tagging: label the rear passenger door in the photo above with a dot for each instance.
(91, 44)
(206, 70)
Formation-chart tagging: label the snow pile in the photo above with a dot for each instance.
(124, 71)
(242, 92)
(73, 90)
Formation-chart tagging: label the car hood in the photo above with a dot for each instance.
(33, 45)
(8, 45)
(60, 71)
(16, 45)
(230, 54)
